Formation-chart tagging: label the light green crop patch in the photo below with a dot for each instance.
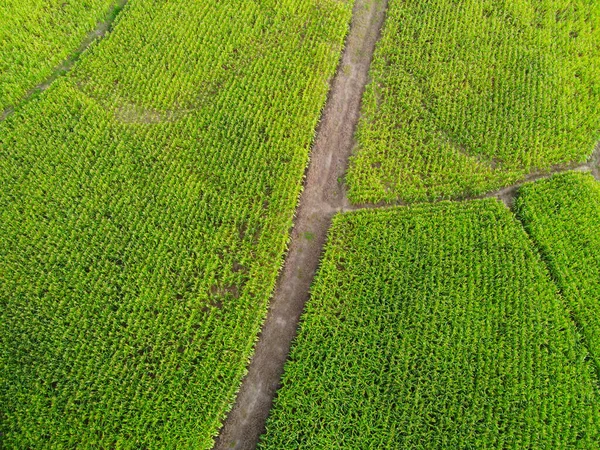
(562, 215)
(469, 96)
(434, 326)
(36, 36)
(146, 200)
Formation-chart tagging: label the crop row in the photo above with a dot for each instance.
(146, 201)
(435, 326)
(471, 95)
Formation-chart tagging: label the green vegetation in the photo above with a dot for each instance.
(146, 200)
(435, 326)
(36, 36)
(467, 96)
(562, 215)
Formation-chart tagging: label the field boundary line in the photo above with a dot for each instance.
(506, 194)
(323, 196)
(97, 33)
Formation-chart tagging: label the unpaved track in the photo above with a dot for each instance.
(323, 196)
(595, 163)
(507, 194)
(66, 65)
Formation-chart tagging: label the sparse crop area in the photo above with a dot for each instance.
(36, 36)
(469, 96)
(146, 201)
(435, 326)
(562, 215)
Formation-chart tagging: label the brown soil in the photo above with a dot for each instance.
(595, 162)
(508, 194)
(65, 66)
(323, 196)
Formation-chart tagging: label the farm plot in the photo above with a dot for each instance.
(37, 35)
(562, 216)
(146, 200)
(469, 96)
(434, 326)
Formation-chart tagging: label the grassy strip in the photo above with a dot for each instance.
(468, 96)
(562, 216)
(37, 36)
(146, 200)
(434, 326)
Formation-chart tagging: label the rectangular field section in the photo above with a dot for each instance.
(434, 326)
(146, 202)
(467, 96)
(562, 216)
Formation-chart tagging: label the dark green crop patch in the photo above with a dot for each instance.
(434, 326)
(562, 216)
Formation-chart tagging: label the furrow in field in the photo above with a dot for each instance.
(562, 217)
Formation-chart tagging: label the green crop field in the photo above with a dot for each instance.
(435, 326)
(562, 215)
(146, 201)
(36, 36)
(471, 95)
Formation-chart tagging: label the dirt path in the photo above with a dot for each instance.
(595, 162)
(323, 196)
(507, 194)
(65, 66)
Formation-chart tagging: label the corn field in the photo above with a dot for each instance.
(435, 326)
(562, 216)
(146, 202)
(36, 36)
(469, 96)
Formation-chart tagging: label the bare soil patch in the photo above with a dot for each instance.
(595, 162)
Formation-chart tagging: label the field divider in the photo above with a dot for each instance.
(323, 195)
(595, 162)
(97, 33)
(506, 194)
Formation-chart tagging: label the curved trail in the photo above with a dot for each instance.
(508, 194)
(97, 33)
(323, 196)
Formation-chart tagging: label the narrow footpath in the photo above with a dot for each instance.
(323, 196)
